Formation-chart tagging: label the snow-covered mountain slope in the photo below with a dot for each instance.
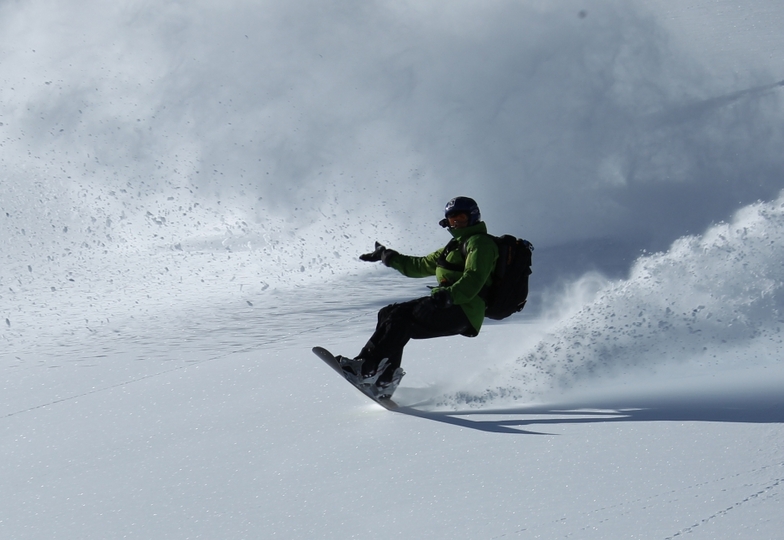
(185, 188)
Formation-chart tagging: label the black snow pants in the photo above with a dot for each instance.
(415, 319)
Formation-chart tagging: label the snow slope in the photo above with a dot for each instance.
(185, 189)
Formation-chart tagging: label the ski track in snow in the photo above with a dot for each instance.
(767, 489)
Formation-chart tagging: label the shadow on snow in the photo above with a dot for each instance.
(762, 407)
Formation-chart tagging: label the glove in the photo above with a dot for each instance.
(441, 298)
(380, 254)
(373, 256)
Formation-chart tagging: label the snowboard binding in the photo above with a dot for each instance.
(352, 370)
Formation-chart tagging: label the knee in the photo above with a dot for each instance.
(386, 312)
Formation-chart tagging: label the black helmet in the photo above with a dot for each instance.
(462, 205)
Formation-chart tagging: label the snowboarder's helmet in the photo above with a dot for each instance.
(463, 205)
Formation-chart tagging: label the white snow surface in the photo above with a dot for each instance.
(185, 188)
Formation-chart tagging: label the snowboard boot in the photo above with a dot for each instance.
(371, 377)
(385, 389)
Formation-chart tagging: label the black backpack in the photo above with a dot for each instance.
(509, 291)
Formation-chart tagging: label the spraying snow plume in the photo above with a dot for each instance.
(712, 299)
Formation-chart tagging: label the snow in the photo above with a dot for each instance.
(185, 191)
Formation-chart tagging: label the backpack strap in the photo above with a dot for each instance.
(453, 245)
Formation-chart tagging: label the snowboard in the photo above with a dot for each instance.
(332, 362)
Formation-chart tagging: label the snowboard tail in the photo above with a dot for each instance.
(333, 362)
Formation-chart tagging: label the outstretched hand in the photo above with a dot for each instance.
(381, 253)
(373, 256)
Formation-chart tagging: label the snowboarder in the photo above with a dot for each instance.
(463, 270)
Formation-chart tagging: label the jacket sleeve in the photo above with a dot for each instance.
(416, 267)
(481, 256)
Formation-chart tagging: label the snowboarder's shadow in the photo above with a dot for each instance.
(763, 407)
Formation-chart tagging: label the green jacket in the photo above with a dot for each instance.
(464, 287)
